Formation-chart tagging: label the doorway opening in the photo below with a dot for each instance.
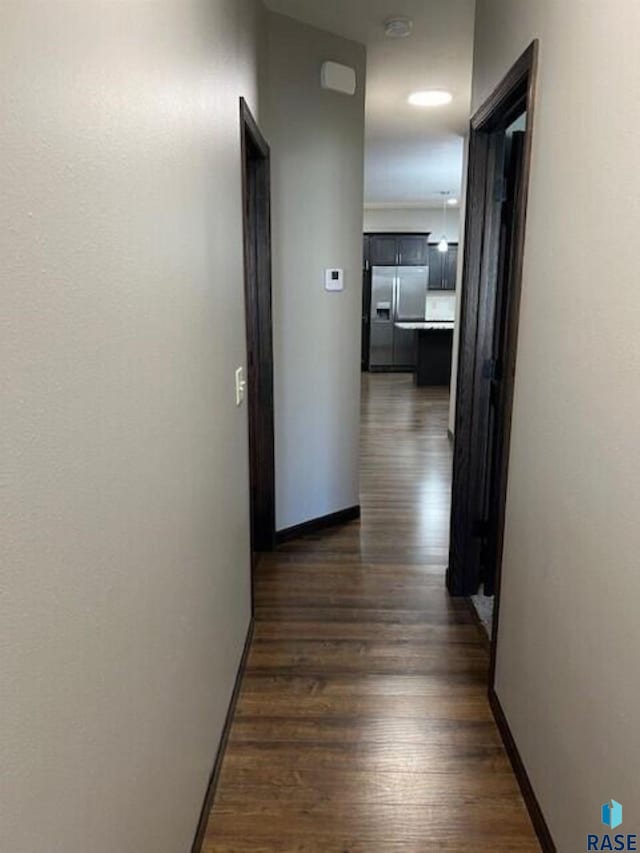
(408, 288)
(407, 333)
(256, 207)
(498, 178)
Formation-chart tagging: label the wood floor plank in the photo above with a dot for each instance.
(430, 709)
(304, 787)
(362, 723)
(481, 821)
(479, 762)
(393, 632)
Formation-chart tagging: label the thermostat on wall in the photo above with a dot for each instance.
(334, 279)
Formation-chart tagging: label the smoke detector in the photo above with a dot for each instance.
(398, 27)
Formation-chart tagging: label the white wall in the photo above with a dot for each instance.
(317, 140)
(409, 219)
(125, 548)
(569, 636)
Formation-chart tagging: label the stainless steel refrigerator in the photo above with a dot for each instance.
(398, 294)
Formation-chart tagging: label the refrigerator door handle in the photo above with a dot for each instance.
(396, 287)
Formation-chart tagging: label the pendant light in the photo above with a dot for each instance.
(443, 245)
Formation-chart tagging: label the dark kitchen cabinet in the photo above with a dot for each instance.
(435, 268)
(412, 251)
(450, 267)
(443, 267)
(366, 302)
(433, 365)
(383, 250)
(398, 250)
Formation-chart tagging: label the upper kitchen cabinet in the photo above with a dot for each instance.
(383, 250)
(405, 250)
(435, 268)
(413, 251)
(443, 267)
(451, 267)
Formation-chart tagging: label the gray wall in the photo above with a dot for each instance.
(569, 633)
(411, 219)
(125, 547)
(317, 169)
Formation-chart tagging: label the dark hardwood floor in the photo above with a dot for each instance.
(362, 723)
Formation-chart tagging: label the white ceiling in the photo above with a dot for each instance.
(412, 154)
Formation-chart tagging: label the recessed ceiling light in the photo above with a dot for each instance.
(398, 28)
(430, 98)
(452, 201)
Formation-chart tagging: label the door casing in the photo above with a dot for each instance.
(514, 95)
(257, 286)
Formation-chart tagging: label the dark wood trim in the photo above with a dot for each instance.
(251, 125)
(209, 796)
(480, 301)
(515, 94)
(256, 203)
(512, 326)
(503, 105)
(315, 524)
(528, 794)
(461, 512)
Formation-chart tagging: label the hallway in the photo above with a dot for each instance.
(362, 722)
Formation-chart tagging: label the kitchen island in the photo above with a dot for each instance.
(433, 351)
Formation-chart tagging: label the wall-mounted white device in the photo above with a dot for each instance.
(334, 279)
(241, 384)
(338, 78)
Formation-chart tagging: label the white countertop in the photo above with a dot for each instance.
(427, 325)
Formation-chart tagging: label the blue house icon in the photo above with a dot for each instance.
(612, 814)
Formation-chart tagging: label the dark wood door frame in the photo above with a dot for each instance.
(485, 386)
(257, 285)
(514, 95)
(256, 220)
(476, 371)
(503, 354)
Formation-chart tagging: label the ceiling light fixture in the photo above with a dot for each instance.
(430, 98)
(443, 245)
(398, 28)
(452, 202)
